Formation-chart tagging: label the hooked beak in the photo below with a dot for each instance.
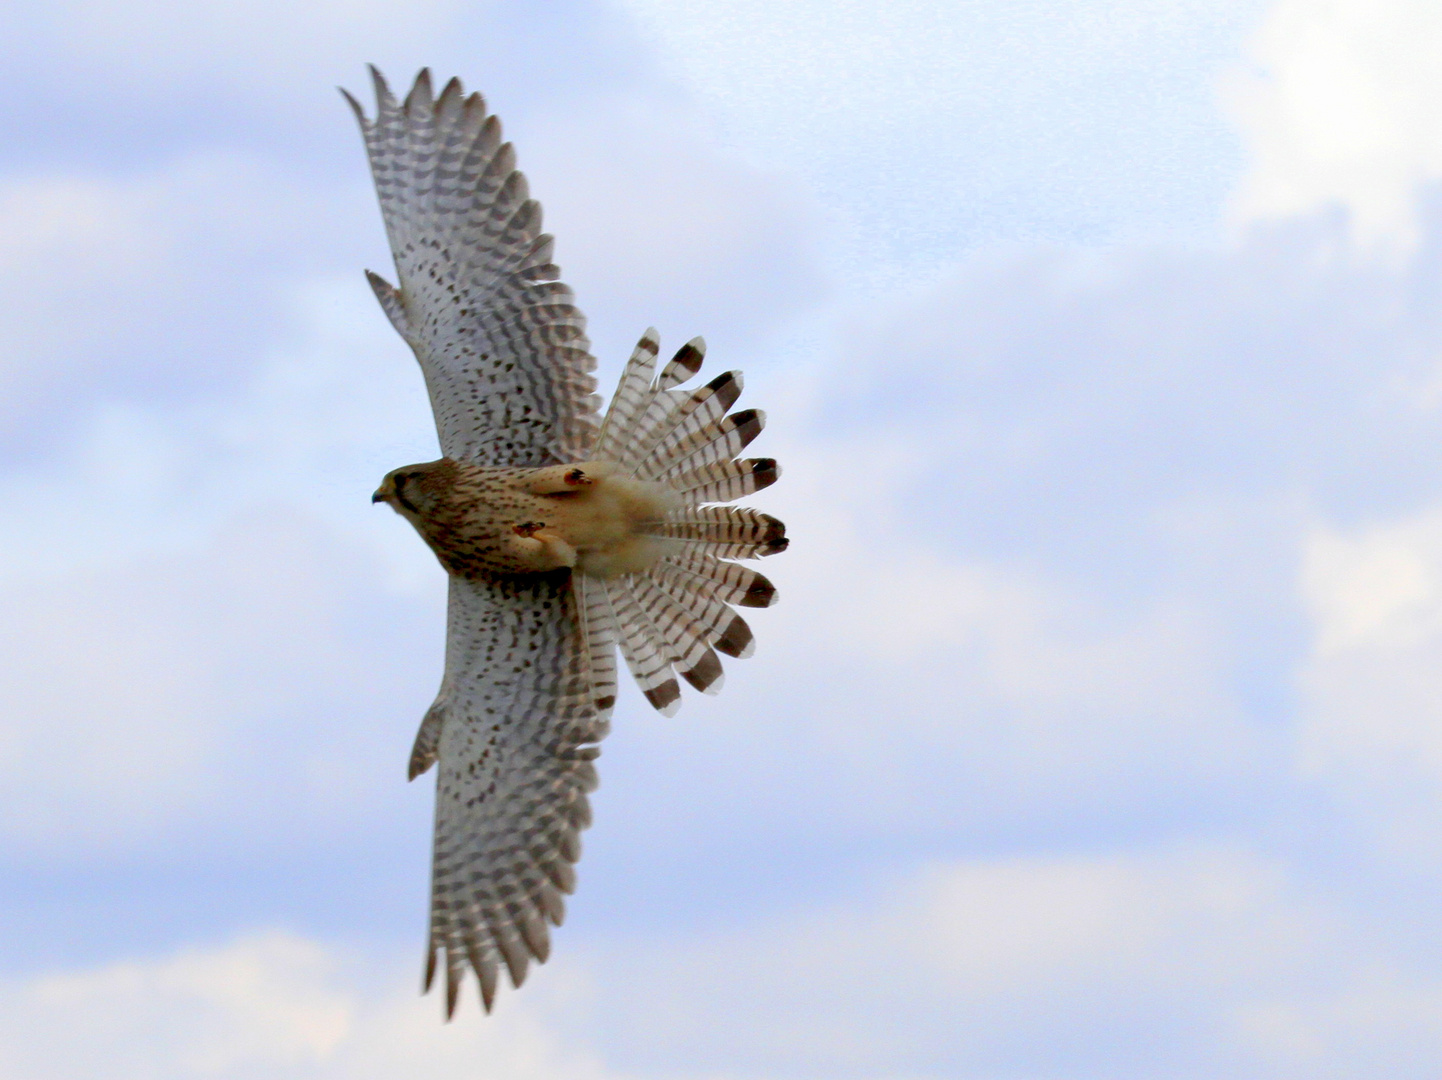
(380, 495)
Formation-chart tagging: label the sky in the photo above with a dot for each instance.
(1098, 733)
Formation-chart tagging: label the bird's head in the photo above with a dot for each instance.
(412, 490)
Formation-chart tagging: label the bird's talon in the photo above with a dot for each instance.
(577, 478)
(530, 528)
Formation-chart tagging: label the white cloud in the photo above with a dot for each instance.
(1379, 587)
(1178, 961)
(973, 657)
(158, 699)
(1343, 107)
(1209, 956)
(1373, 682)
(267, 1005)
(190, 577)
(116, 287)
(181, 277)
(1384, 1023)
(848, 70)
(201, 1013)
(1045, 523)
(929, 128)
(655, 227)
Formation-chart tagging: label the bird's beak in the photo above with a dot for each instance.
(379, 496)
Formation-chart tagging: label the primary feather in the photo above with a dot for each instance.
(503, 349)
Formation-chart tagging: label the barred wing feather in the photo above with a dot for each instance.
(516, 727)
(503, 348)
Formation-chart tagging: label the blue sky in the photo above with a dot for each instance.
(1099, 731)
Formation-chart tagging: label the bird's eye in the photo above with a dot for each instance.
(400, 489)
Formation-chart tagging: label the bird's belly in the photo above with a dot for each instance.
(606, 525)
(518, 521)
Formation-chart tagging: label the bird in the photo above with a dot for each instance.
(566, 535)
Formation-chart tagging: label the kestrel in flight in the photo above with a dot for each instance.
(563, 539)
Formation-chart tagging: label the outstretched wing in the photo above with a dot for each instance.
(514, 729)
(503, 349)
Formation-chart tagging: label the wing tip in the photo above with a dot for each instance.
(356, 107)
(381, 87)
(391, 303)
(453, 992)
(421, 97)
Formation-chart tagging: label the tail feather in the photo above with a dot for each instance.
(695, 410)
(661, 409)
(638, 640)
(729, 582)
(643, 403)
(658, 417)
(681, 638)
(683, 365)
(719, 441)
(599, 635)
(723, 628)
(728, 532)
(683, 414)
(724, 481)
(673, 618)
(632, 395)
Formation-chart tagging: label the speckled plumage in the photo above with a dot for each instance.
(564, 542)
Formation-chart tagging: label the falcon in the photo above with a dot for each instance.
(563, 539)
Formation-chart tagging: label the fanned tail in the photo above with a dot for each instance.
(686, 641)
(725, 629)
(599, 631)
(673, 618)
(729, 582)
(643, 648)
(727, 532)
(632, 395)
(725, 481)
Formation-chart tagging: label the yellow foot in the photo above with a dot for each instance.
(567, 479)
(543, 549)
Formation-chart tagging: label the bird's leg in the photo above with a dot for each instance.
(566, 479)
(544, 549)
